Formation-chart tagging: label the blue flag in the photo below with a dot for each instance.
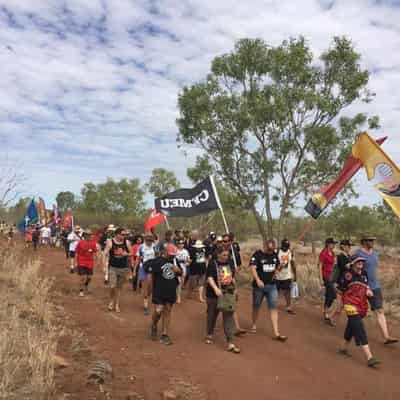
(31, 217)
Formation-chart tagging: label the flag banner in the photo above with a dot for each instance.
(380, 168)
(42, 211)
(31, 217)
(320, 200)
(189, 202)
(67, 222)
(55, 216)
(154, 219)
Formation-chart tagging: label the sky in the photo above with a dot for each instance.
(89, 87)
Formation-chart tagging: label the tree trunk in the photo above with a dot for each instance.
(267, 202)
(260, 223)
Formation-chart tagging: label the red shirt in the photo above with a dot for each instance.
(85, 252)
(327, 260)
(135, 249)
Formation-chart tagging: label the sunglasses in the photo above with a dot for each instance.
(226, 241)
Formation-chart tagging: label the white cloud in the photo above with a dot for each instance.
(89, 88)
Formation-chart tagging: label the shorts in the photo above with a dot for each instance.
(117, 277)
(355, 329)
(197, 280)
(162, 301)
(85, 270)
(142, 276)
(270, 292)
(284, 285)
(376, 301)
(72, 254)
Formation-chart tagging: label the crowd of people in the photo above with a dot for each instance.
(163, 269)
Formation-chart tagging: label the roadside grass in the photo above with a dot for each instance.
(28, 336)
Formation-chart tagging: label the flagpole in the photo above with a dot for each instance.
(167, 223)
(223, 216)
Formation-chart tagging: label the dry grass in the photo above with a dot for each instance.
(27, 336)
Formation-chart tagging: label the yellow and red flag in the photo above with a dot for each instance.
(380, 168)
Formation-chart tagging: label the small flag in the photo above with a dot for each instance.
(380, 168)
(154, 219)
(68, 220)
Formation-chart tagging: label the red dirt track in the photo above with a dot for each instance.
(306, 367)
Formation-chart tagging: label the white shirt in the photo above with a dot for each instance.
(45, 232)
(285, 259)
(146, 252)
(183, 257)
(73, 240)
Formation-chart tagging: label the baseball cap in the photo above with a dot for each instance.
(367, 237)
(170, 249)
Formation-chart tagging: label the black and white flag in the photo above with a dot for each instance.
(201, 199)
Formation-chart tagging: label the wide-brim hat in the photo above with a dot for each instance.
(199, 244)
(330, 241)
(356, 260)
(111, 227)
(346, 242)
(149, 237)
(87, 232)
(367, 237)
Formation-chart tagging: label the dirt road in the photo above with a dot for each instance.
(306, 367)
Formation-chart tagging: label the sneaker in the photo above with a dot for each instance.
(71, 270)
(391, 341)
(373, 362)
(106, 281)
(344, 352)
(153, 333)
(165, 339)
(81, 294)
(146, 311)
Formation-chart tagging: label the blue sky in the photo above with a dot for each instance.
(89, 87)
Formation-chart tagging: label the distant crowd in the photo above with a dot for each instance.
(163, 269)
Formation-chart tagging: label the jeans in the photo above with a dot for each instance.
(270, 292)
(212, 315)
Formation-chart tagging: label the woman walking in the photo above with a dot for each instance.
(220, 293)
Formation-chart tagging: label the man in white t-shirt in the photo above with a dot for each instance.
(146, 252)
(286, 274)
(73, 239)
(45, 235)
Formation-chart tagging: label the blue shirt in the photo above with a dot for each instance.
(370, 266)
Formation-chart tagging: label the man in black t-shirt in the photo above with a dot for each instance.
(264, 264)
(197, 269)
(165, 271)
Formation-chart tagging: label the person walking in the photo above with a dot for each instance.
(370, 256)
(197, 269)
(145, 253)
(73, 239)
(220, 293)
(108, 234)
(35, 237)
(183, 259)
(343, 264)
(355, 289)
(116, 257)
(264, 265)
(85, 255)
(165, 271)
(326, 264)
(286, 274)
(136, 243)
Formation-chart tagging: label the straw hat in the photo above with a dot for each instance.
(199, 245)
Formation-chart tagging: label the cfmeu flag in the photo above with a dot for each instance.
(201, 199)
(380, 168)
(320, 200)
(31, 217)
(154, 219)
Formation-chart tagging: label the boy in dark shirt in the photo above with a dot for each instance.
(355, 291)
(264, 264)
(165, 271)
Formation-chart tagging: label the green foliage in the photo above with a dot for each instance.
(65, 201)
(162, 182)
(268, 119)
(118, 198)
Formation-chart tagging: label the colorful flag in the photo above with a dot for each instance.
(68, 220)
(154, 219)
(56, 217)
(320, 200)
(42, 212)
(31, 217)
(380, 168)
